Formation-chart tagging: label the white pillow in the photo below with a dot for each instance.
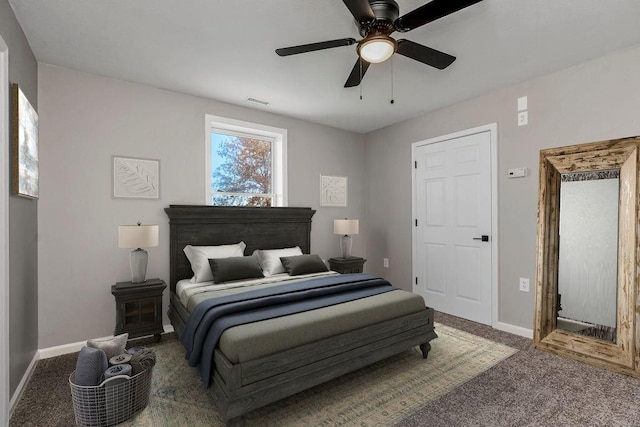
(199, 256)
(269, 259)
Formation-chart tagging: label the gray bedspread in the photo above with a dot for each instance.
(252, 341)
(212, 317)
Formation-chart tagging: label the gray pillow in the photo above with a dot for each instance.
(91, 364)
(111, 346)
(235, 268)
(303, 264)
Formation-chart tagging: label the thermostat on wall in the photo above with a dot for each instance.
(517, 173)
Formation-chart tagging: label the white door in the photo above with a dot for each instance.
(452, 204)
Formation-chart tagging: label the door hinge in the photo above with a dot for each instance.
(415, 164)
(416, 280)
(416, 222)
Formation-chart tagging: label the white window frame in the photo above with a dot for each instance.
(217, 124)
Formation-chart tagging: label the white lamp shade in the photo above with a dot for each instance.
(137, 236)
(345, 226)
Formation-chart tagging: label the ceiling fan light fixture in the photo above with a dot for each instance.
(377, 48)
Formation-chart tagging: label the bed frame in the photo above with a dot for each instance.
(240, 388)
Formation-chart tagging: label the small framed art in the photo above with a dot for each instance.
(25, 146)
(135, 178)
(333, 190)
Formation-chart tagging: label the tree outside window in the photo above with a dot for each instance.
(246, 163)
(242, 170)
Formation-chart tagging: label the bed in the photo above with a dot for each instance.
(248, 370)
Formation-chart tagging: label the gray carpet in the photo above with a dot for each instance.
(531, 388)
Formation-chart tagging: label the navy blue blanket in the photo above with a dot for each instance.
(213, 316)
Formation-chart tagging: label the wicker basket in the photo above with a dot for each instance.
(113, 401)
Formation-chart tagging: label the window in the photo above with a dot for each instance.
(245, 163)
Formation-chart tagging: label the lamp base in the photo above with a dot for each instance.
(345, 246)
(138, 262)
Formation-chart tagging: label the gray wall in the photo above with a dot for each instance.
(23, 222)
(84, 120)
(594, 101)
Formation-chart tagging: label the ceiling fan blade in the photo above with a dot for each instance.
(429, 12)
(357, 73)
(361, 10)
(424, 54)
(294, 50)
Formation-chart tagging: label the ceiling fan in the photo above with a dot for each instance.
(376, 21)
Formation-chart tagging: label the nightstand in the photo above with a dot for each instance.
(347, 265)
(139, 308)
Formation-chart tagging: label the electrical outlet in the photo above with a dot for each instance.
(385, 262)
(524, 284)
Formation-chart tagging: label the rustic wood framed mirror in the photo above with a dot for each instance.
(579, 268)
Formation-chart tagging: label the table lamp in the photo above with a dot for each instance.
(345, 227)
(138, 236)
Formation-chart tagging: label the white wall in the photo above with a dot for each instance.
(593, 101)
(84, 120)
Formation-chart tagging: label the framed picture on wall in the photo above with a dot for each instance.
(333, 190)
(25, 146)
(135, 178)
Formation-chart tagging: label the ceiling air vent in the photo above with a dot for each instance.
(258, 101)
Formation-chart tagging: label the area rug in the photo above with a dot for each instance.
(379, 395)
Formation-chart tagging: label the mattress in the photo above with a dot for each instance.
(258, 339)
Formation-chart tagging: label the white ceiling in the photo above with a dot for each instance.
(225, 50)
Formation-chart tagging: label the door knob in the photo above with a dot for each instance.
(484, 238)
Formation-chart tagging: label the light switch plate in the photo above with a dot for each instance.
(522, 103)
(523, 118)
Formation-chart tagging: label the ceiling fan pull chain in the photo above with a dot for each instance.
(360, 63)
(391, 64)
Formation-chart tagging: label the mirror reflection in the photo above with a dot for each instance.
(588, 253)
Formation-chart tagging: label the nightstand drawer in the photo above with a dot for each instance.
(347, 265)
(140, 313)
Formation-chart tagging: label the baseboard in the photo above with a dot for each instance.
(61, 350)
(513, 329)
(23, 383)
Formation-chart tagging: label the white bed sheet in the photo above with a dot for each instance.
(186, 290)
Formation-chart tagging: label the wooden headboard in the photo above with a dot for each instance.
(259, 228)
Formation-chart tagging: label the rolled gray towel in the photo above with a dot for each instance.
(114, 371)
(92, 362)
(142, 360)
(120, 359)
